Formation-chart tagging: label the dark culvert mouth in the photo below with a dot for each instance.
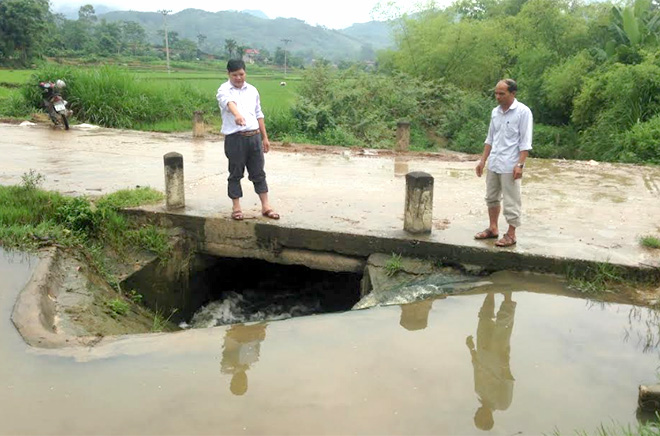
(215, 291)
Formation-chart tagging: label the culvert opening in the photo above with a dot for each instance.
(218, 291)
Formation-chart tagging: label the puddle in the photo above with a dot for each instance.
(508, 359)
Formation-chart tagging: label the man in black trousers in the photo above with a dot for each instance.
(246, 139)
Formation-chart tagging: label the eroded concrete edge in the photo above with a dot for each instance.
(34, 313)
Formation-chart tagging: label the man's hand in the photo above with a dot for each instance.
(480, 168)
(469, 341)
(266, 145)
(239, 119)
(517, 173)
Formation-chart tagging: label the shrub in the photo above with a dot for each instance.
(355, 107)
(619, 97)
(465, 120)
(562, 82)
(554, 142)
(76, 214)
(641, 143)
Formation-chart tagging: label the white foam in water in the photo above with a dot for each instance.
(235, 309)
(227, 311)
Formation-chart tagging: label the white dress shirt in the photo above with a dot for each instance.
(249, 105)
(509, 133)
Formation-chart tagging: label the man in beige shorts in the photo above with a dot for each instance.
(506, 149)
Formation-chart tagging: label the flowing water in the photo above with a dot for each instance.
(508, 359)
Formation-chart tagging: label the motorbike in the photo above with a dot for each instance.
(54, 103)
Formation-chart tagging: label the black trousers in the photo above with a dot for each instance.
(242, 152)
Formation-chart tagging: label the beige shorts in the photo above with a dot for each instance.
(502, 186)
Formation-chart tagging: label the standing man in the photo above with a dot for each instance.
(246, 139)
(507, 146)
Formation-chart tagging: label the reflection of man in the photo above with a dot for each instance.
(415, 316)
(493, 381)
(240, 350)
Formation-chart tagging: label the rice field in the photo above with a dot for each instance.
(274, 97)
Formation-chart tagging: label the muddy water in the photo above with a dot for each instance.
(533, 362)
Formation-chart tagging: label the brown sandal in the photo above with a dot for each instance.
(506, 241)
(270, 213)
(486, 234)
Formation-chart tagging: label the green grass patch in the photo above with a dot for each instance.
(161, 322)
(130, 198)
(31, 218)
(140, 99)
(602, 277)
(118, 307)
(594, 280)
(393, 265)
(15, 76)
(649, 428)
(649, 241)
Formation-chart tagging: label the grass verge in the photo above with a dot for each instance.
(31, 218)
(604, 278)
(649, 241)
(650, 428)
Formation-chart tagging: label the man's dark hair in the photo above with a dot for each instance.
(511, 84)
(235, 65)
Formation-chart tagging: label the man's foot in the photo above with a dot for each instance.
(270, 213)
(237, 215)
(486, 234)
(506, 241)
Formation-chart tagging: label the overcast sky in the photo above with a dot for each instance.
(335, 14)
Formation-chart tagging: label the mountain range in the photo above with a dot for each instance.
(253, 29)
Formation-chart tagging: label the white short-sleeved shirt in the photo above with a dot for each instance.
(249, 105)
(509, 133)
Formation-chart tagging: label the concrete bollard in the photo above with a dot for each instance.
(174, 189)
(402, 135)
(418, 213)
(198, 124)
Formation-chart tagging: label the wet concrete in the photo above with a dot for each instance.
(541, 361)
(572, 209)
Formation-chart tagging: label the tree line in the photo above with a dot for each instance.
(29, 31)
(590, 71)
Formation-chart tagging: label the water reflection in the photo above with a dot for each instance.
(400, 166)
(239, 351)
(493, 381)
(644, 328)
(415, 316)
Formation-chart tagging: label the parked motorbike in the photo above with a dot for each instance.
(54, 103)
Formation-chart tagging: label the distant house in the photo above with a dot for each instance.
(250, 55)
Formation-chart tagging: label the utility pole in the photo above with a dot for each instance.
(285, 41)
(167, 44)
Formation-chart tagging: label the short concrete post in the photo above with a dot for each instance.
(198, 124)
(649, 398)
(174, 189)
(418, 213)
(402, 135)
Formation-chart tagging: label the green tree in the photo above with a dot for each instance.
(109, 37)
(186, 49)
(230, 47)
(634, 26)
(87, 13)
(134, 36)
(23, 29)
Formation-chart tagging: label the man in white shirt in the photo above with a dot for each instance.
(246, 139)
(506, 149)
